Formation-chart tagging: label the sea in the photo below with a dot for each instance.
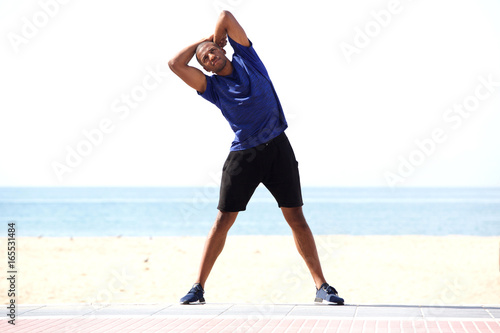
(190, 211)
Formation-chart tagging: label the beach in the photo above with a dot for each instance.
(413, 270)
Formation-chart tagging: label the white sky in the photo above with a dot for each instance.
(349, 122)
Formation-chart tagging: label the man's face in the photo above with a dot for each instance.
(212, 58)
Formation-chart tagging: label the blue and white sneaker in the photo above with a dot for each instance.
(329, 294)
(194, 296)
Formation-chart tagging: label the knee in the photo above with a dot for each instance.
(299, 224)
(295, 218)
(224, 221)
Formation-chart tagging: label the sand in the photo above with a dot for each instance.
(451, 270)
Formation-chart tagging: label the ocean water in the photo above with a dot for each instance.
(157, 211)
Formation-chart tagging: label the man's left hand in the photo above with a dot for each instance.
(222, 42)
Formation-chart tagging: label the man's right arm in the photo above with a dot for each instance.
(191, 75)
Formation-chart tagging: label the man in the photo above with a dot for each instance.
(260, 153)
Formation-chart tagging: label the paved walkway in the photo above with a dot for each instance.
(253, 318)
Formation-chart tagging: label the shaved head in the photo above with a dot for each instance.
(198, 48)
(211, 57)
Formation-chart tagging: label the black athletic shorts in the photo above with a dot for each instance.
(272, 163)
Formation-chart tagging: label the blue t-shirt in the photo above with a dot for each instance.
(247, 99)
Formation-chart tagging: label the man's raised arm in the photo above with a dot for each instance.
(191, 75)
(227, 25)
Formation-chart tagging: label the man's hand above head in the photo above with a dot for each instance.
(208, 39)
(222, 42)
(227, 25)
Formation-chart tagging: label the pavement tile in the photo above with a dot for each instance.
(380, 326)
(444, 327)
(21, 310)
(90, 324)
(61, 310)
(309, 323)
(224, 325)
(495, 312)
(130, 309)
(323, 310)
(357, 326)
(198, 323)
(267, 330)
(194, 310)
(260, 323)
(481, 326)
(457, 327)
(156, 324)
(389, 311)
(211, 323)
(258, 311)
(455, 312)
(344, 326)
(321, 323)
(332, 325)
(494, 326)
(121, 324)
(470, 326)
(394, 325)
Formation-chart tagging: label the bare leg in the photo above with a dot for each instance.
(304, 241)
(215, 243)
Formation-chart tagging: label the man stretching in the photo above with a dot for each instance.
(260, 152)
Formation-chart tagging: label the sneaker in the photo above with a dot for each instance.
(329, 294)
(194, 296)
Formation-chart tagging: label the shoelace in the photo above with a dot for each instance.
(196, 289)
(331, 290)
